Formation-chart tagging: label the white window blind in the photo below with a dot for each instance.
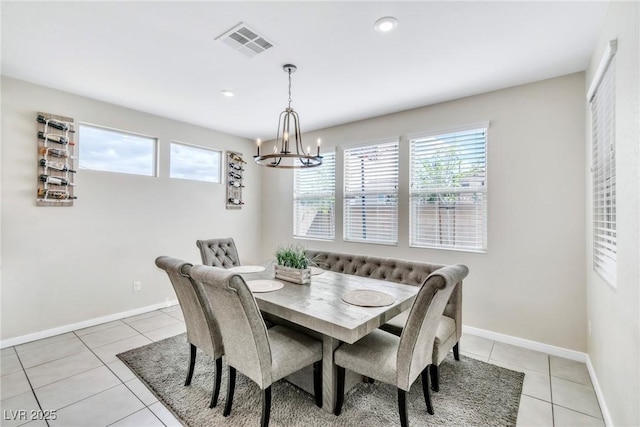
(448, 195)
(314, 200)
(371, 193)
(603, 171)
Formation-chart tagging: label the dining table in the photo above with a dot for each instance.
(320, 307)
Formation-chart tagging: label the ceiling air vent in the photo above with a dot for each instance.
(245, 40)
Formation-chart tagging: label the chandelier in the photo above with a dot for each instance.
(292, 154)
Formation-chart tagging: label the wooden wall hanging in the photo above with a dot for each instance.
(235, 172)
(57, 159)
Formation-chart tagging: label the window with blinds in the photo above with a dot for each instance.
(603, 171)
(371, 193)
(314, 200)
(448, 196)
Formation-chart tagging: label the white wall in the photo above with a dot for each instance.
(67, 265)
(530, 283)
(614, 346)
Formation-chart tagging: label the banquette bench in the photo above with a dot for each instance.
(410, 273)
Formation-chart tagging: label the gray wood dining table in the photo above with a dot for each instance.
(319, 307)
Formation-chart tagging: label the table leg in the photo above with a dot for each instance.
(329, 373)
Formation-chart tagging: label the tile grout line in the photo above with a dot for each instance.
(35, 396)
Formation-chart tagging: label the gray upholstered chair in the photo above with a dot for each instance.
(264, 355)
(399, 360)
(202, 330)
(448, 333)
(219, 252)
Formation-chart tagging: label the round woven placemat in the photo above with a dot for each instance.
(316, 270)
(367, 298)
(264, 285)
(247, 269)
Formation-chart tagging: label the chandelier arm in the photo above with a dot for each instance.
(299, 147)
(286, 135)
(280, 126)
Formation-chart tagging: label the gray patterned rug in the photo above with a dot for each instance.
(472, 393)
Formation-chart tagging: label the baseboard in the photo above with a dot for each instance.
(606, 415)
(531, 345)
(84, 324)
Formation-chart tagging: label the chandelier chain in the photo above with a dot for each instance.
(289, 87)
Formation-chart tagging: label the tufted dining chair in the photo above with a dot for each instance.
(264, 355)
(399, 360)
(202, 329)
(219, 252)
(447, 337)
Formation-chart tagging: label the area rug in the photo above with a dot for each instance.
(472, 393)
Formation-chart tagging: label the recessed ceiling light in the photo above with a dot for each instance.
(228, 93)
(386, 24)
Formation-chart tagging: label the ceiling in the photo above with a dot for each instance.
(163, 57)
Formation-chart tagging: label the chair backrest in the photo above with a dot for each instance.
(202, 329)
(219, 252)
(244, 332)
(416, 341)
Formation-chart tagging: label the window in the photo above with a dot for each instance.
(603, 167)
(314, 201)
(371, 193)
(116, 151)
(196, 163)
(448, 195)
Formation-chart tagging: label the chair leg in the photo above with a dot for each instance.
(317, 383)
(192, 363)
(216, 383)
(230, 388)
(425, 390)
(266, 406)
(456, 351)
(402, 408)
(339, 391)
(435, 378)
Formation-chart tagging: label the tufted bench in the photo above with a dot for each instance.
(410, 273)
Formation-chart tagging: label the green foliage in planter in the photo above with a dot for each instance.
(292, 256)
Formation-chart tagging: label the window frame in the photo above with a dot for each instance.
(484, 189)
(346, 196)
(197, 147)
(154, 155)
(331, 196)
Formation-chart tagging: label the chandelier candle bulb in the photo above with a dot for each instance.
(258, 145)
(319, 142)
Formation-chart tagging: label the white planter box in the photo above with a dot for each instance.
(293, 275)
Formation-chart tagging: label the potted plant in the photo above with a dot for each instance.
(292, 265)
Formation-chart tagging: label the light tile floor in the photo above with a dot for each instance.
(78, 375)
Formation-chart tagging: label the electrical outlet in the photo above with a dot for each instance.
(137, 285)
